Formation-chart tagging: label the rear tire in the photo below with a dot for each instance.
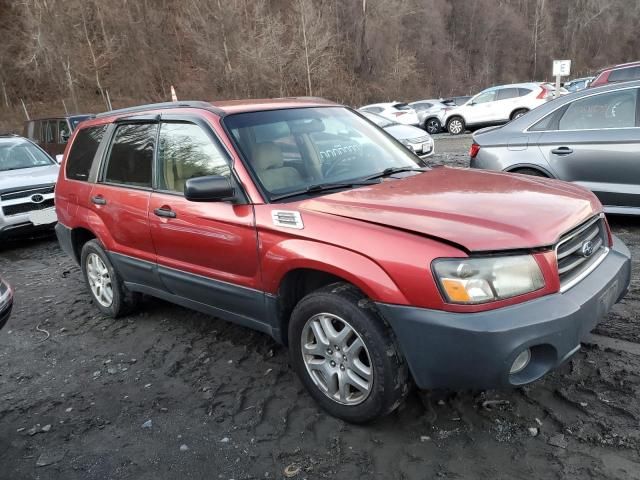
(530, 171)
(366, 376)
(518, 113)
(432, 126)
(455, 125)
(103, 282)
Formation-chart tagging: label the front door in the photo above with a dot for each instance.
(206, 251)
(595, 142)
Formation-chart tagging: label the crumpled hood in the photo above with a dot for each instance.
(28, 177)
(478, 210)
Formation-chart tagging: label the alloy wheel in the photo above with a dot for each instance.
(455, 126)
(99, 280)
(433, 126)
(337, 359)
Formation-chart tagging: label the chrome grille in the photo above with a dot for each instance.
(27, 193)
(581, 250)
(27, 207)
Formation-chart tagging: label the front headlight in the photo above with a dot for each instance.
(487, 279)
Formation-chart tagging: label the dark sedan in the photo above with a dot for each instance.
(591, 138)
(6, 302)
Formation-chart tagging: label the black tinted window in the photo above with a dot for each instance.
(506, 93)
(523, 91)
(185, 151)
(624, 74)
(83, 151)
(607, 110)
(131, 157)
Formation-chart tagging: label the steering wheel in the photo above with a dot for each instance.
(330, 166)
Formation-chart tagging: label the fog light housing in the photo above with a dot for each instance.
(521, 362)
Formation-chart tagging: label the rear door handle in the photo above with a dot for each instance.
(562, 151)
(165, 212)
(99, 200)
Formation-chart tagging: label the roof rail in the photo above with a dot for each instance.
(162, 105)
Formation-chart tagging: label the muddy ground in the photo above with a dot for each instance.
(169, 393)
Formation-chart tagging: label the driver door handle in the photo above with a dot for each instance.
(98, 200)
(165, 212)
(562, 151)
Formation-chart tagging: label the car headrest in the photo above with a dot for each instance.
(267, 155)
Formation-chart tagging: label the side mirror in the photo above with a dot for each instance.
(214, 188)
(64, 137)
(471, 104)
(59, 158)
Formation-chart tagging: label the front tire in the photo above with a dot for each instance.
(455, 125)
(345, 354)
(103, 282)
(432, 126)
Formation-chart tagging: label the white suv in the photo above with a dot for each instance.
(496, 106)
(396, 111)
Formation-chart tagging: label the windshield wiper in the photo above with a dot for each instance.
(323, 187)
(387, 172)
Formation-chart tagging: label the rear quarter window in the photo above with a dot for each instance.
(83, 151)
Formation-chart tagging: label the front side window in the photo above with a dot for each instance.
(607, 110)
(82, 152)
(131, 156)
(16, 154)
(485, 97)
(185, 151)
(321, 146)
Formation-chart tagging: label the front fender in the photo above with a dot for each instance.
(361, 271)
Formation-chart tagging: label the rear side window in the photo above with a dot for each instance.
(523, 91)
(507, 93)
(130, 160)
(624, 74)
(607, 110)
(185, 151)
(83, 151)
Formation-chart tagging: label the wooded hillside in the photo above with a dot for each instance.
(354, 51)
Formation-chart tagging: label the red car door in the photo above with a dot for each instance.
(206, 251)
(121, 201)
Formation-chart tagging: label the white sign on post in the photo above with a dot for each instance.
(561, 68)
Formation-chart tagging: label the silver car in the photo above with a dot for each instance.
(27, 180)
(430, 113)
(591, 138)
(415, 139)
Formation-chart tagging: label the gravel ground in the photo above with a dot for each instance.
(169, 393)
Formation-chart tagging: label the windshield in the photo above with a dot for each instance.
(17, 154)
(292, 150)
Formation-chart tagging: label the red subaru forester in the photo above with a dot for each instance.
(303, 220)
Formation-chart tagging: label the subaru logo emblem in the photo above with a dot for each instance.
(587, 248)
(37, 198)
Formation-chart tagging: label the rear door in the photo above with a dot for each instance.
(506, 102)
(206, 251)
(595, 141)
(121, 200)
